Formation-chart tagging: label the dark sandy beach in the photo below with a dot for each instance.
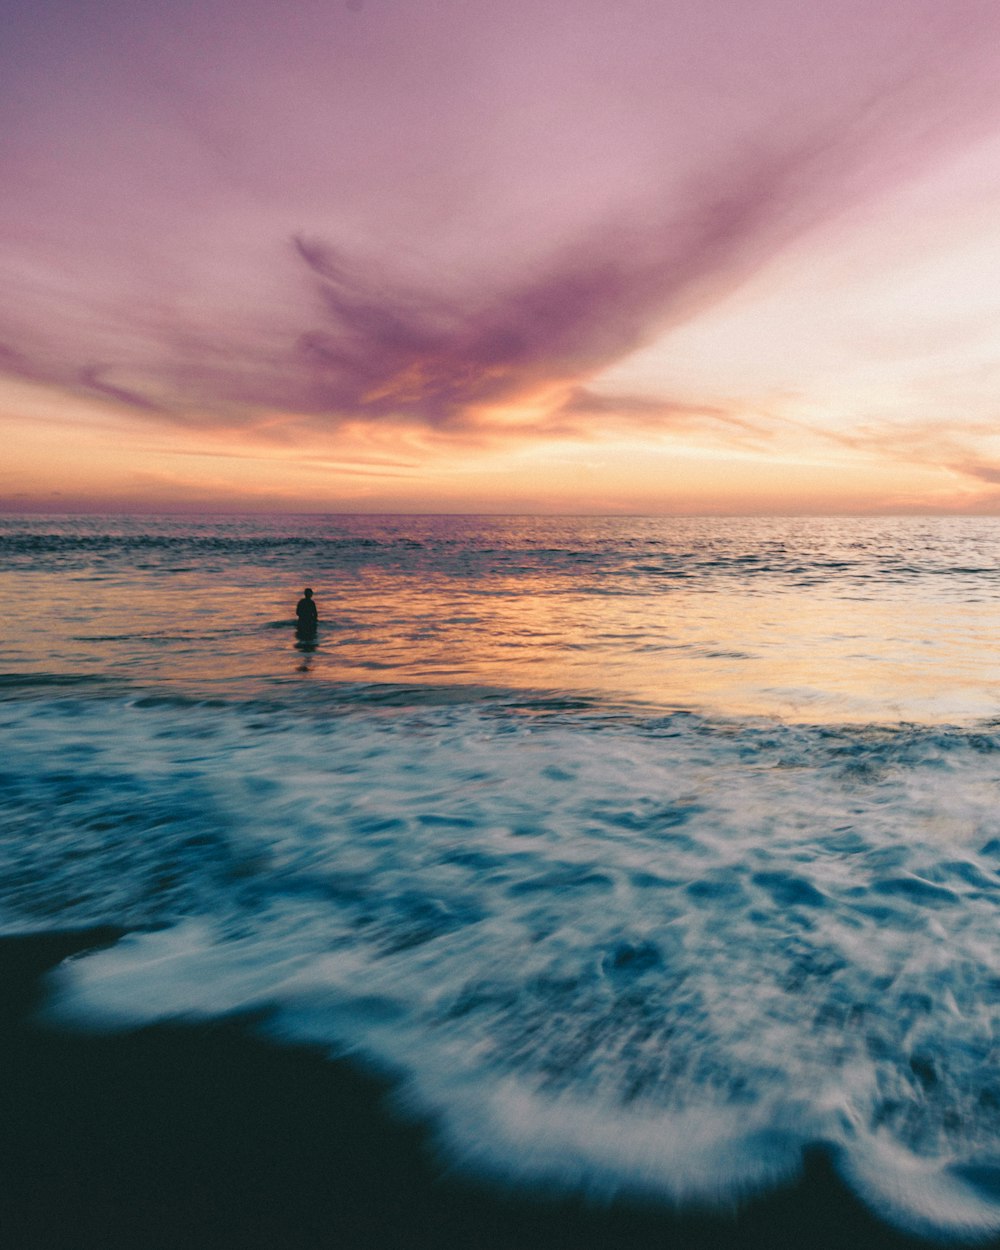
(210, 1137)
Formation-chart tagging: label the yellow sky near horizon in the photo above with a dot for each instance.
(74, 455)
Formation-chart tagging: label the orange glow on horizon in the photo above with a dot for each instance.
(65, 454)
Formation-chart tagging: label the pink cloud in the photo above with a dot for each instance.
(415, 214)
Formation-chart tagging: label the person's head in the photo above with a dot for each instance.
(308, 592)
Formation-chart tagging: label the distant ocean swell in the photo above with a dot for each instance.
(608, 950)
(765, 554)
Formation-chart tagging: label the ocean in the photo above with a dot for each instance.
(638, 863)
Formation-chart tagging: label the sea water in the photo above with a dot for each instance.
(642, 853)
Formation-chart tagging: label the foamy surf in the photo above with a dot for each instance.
(656, 954)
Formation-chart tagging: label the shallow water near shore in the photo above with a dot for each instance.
(643, 856)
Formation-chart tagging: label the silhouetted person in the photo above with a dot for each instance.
(308, 617)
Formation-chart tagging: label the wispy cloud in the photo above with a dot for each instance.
(309, 324)
(369, 345)
(92, 379)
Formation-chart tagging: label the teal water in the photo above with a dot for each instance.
(645, 854)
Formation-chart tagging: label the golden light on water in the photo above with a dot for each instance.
(817, 654)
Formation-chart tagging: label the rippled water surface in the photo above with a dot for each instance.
(808, 619)
(645, 853)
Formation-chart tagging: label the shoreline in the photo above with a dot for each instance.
(211, 1137)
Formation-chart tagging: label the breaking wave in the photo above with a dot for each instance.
(598, 949)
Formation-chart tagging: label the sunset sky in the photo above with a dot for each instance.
(532, 256)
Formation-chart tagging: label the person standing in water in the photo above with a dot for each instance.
(308, 617)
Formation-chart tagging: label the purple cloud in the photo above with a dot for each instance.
(484, 202)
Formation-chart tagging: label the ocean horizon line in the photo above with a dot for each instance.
(501, 515)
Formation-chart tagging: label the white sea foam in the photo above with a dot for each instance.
(604, 951)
